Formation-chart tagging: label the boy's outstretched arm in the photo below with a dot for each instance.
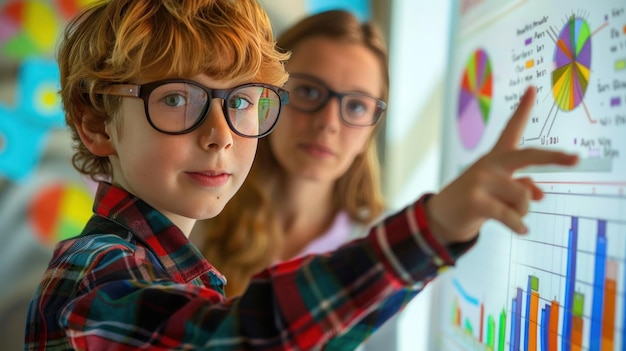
(488, 190)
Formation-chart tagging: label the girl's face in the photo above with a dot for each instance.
(186, 177)
(318, 146)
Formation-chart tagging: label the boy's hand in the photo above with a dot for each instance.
(487, 189)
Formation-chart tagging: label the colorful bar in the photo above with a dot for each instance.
(530, 63)
(456, 313)
(545, 313)
(468, 327)
(577, 334)
(516, 322)
(528, 313)
(578, 310)
(502, 331)
(534, 310)
(528, 41)
(570, 280)
(512, 346)
(553, 325)
(491, 331)
(620, 65)
(598, 288)
(482, 324)
(608, 315)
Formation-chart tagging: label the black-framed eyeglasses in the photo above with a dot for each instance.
(310, 94)
(178, 106)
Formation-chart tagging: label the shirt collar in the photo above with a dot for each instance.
(176, 253)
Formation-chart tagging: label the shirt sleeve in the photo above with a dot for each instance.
(401, 258)
(301, 304)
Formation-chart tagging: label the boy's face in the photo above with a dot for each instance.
(185, 177)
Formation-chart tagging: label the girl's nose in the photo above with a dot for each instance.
(328, 117)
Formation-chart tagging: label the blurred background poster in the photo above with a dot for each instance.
(42, 198)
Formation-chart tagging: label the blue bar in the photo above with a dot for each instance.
(527, 329)
(518, 319)
(595, 336)
(543, 334)
(513, 326)
(570, 280)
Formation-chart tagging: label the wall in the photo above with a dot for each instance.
(419, 37)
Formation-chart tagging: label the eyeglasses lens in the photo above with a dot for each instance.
(177, 107)
(357, 109)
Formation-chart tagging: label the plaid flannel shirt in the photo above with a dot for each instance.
(132, 280)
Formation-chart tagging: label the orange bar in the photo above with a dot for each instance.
(458, 316)
(532, 332)
(624, 29)
(608, 313)
(482, 323)
(577, 333)
(553, 331)
(530, 64)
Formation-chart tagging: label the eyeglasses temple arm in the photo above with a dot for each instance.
(121, 90)
(284, 97)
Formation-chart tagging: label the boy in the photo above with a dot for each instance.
(165, 100)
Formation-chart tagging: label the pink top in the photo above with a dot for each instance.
(339, 233)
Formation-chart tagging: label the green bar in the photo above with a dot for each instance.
(620, 65)
(534, 283)
(502, 330)
(468, 327)
(579, 304)
(491, 326)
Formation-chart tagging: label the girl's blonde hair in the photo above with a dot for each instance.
(246, 236)
(121, 40)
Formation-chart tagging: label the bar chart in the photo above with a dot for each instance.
(489, 333)
(567, 286)
(563, 287)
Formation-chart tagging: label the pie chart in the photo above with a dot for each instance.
(28, 28)
(475, 98)
(59, 211)
(31, 27)
(572, 60)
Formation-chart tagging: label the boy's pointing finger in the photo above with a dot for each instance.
(512, 133)
(536, 157)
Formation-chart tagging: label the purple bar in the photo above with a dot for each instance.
(529, 41)
(527, 329)
(570, 284)
(518, 321)
(513, 326)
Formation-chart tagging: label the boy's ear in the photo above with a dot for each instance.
(94, 135)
